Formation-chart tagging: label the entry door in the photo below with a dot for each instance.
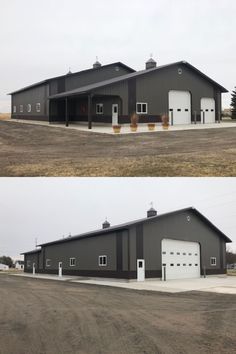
(114, 114)
(33, 268)
(180, 259)
(60, 269)
(140, 270)
(180, 107)
(208, 109)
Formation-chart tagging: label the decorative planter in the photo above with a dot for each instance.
(151, 126)
(116, 129)
(133, 127)
(165, 126)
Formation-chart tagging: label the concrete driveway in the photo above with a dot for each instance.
(215, 284)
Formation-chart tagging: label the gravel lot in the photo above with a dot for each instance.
(33, 150)
(42, 316)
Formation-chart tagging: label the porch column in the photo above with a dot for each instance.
(66, 109)
(89, 111)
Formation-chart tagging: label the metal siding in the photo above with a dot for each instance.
(86, 252)
(83, 79)
(120, 89)
(119, 253)
(177, 227)
(154, 88)
(139, 241)
(125, 250)
(132, 249)
(31, 96)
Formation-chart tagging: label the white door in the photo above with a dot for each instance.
(181, 259)
(208, 109)
(114, 114)
(60, 269)
(140, 270)
(33, 268)
(180, 107)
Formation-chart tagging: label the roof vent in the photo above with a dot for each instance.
(151, 63)
(106, 224)
(69, 72)
(151, 212)
(97, 64)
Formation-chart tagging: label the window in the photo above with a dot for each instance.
(178, 253)
(164, 252)
(171, 252)
(213, 261)
(28, 264)
(190, 265)
(21, 108)
(14, 109)
(102, 261)
(184, 264)
(190, 254)
(184, 254)
(38, 107)
(195, 254)
(72, 262)
(99, 108)
(141, 108)
(179, 109)
(196, 264)
(178, 264)
(172, 264)
(140, 264)
(28, 108)
(48, 262)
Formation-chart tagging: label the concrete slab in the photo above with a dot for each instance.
(142, 127)
(216, 284)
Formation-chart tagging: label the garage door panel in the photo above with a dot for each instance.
(181, 259)
(180, 106)
(208, 110)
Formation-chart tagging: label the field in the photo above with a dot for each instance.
(34, 150)
(50, 317)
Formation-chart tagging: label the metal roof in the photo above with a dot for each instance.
(92, 87)
(33, 251)
(131, 223)
(71, 74)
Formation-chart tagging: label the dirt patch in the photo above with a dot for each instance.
(30, 150)
(41, 316)
(5, 116)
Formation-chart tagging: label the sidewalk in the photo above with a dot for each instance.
(216, 284)
(142, 127)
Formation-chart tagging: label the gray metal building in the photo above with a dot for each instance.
(111, 93)
(179, 244)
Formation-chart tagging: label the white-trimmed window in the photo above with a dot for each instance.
(28, 264)
(141, 108)
(14, 109)
(38, 107)
(213, 261)
(99, 108)
(102, 261)
(72, 262)
(48, 262)
(21, 108)
(28, 107)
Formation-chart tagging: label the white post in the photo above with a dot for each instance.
(60, 269)
(33, 268)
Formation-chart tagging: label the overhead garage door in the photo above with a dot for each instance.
(208, 107)
(180, 107)
(181, 259)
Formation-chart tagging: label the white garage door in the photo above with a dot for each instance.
(180, 107)
(208, 107)
(181, 259)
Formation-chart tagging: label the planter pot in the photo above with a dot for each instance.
(116, 129)
(151, 126)
(165, 126)
(133, 127)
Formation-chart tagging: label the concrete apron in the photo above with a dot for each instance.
(215, 284)
(125, 128)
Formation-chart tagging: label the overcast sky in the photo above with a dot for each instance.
(50, 208)
(43, 38)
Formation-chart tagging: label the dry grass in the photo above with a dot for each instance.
(5, 116)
